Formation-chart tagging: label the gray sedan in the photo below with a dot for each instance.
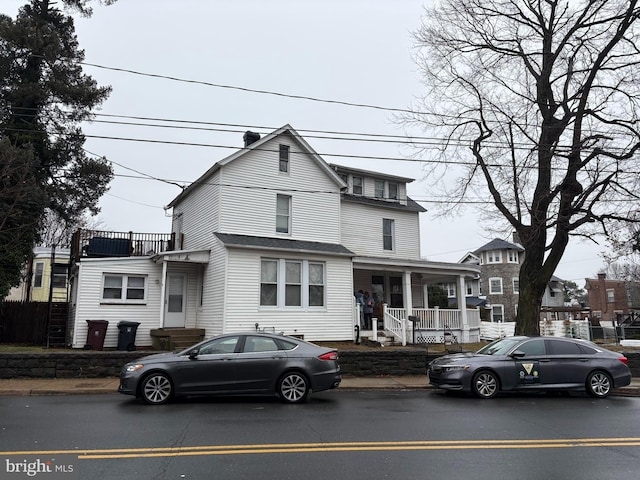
(532, 363)
(239, 363)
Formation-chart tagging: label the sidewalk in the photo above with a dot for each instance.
(84, 386)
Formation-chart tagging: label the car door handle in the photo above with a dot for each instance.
(545, 360)
(584, 359)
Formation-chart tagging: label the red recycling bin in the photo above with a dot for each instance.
(95, 334)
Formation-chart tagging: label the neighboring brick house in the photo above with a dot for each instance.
(607, 298)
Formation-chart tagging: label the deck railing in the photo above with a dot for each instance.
(100, 243)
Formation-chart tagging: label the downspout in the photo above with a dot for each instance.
(163, 282)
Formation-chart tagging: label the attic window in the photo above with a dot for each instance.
(284, 158)
(393, 191)
(379, 189)
(512, 256)
(357, 185)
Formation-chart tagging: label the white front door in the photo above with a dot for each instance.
(175, 299)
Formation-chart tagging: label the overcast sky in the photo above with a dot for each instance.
(355, 51)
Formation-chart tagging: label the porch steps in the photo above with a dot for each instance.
(175, 338)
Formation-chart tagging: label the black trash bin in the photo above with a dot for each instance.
(127, 335)
(95, 334)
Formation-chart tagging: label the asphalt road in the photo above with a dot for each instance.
(342, 435)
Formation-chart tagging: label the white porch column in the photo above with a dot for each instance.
(425, 295)
(462, 305)
(163, 284)
(408, 303)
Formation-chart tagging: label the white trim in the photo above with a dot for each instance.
(491, 290)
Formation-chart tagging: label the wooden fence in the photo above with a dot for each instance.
(26, 322)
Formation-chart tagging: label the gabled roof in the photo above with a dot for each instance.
(269, 243)
(499, 244)
(286, 129)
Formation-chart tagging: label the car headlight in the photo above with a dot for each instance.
(449, 368)
(132, 367)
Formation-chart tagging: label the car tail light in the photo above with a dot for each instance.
(623, 359)
(329, 356)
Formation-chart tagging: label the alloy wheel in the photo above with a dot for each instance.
(157, 389)
(293, 388)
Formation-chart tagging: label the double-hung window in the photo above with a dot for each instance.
(284, 158)
(357, 185)
(495, 285)
(121, 288)
(494, 256)
(393, 191)
(388, 228)
(283, 214)
(512, 256)
(287, 283)
(497, 313)
(38, 275)
(379, 189)
(516, 285)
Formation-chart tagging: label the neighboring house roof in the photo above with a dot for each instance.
(372, 173)
(499, 244)
(248, 241)
(256, 146)
(475, 301)
(470, 258)
(411, 205)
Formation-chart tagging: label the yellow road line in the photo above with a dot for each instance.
(335, 447)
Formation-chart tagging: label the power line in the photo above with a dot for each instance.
(252, 90)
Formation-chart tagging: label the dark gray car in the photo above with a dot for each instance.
(532, 363)
(238, 363)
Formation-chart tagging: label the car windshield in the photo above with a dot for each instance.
(499, 347)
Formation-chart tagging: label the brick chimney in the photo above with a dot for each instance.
(250, 137)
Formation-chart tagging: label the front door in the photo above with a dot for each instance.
(175, 299)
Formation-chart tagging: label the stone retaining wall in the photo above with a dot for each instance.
(88, 364)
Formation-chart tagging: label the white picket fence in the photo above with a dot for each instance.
(552, 328)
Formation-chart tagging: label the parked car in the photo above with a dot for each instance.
(532, 363)
(239, 363)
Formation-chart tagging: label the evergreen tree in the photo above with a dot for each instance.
(44, 96)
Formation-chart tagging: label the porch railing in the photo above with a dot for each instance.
(100, 243)
(394, 322)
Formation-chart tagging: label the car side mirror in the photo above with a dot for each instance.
(518, 354)
(193, 354)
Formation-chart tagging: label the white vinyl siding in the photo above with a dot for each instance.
(247, 203)
(331, 321)
(361, 228)
(89, 305)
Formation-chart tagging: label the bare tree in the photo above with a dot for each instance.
(537, 102)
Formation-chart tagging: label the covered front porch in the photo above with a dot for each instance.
(402, 313)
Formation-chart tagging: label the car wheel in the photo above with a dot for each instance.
(157, 389)
(485, 384)
(293, 387)
(598, 384)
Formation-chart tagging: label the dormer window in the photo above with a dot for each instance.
(393, 191)
(284, 158)
(379, 189)
(357, 185)
(494, 256)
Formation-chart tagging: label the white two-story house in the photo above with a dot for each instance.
(272, 237)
